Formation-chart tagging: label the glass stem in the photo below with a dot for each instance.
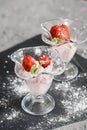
(39, 98)
(66, 65)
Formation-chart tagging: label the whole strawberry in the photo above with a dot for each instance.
(28, 62)
(61, 32)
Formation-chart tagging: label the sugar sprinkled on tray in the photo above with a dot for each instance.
(17, 85)
(13, 114)
(74, 101)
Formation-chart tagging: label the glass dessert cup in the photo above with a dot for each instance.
(37, 101)
(77, 36)
(67, 51)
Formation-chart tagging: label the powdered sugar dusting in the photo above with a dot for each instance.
(17, 85)
(3, 102)
(71, 103)
(74, 96)
(12, 115)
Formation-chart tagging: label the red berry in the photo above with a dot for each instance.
(44, 60)
(60, 31)
(28, 62)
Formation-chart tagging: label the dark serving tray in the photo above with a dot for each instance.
(70, 97)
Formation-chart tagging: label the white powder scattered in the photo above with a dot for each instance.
(13, 85)
(13, 114)
(74, 97)
(7, 72)
(6, 61)
(82, 75)
(63, 119)
(74, 102)
(1, 121)
(17, 85)
(3, 102)
(9, 56)
(48, 121)
(4, 66)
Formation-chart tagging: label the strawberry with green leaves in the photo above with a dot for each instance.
(30, 64)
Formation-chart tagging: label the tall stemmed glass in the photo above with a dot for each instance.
(67, 51)
(37, 101)
(77, 36)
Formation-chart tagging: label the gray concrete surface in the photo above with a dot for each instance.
(21, 19)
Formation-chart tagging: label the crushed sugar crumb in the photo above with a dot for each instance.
(12, 115)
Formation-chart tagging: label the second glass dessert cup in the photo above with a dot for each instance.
(37, 101)
(77, 36)
(67, 51)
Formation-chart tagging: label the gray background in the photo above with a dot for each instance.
(21, 19)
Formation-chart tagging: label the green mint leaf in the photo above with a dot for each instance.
(54, 40)
(33, 69)
(57, 40)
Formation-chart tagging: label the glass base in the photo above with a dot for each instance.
(38, 105)
(70, 73)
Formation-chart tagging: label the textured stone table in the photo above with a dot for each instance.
(21, 19)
